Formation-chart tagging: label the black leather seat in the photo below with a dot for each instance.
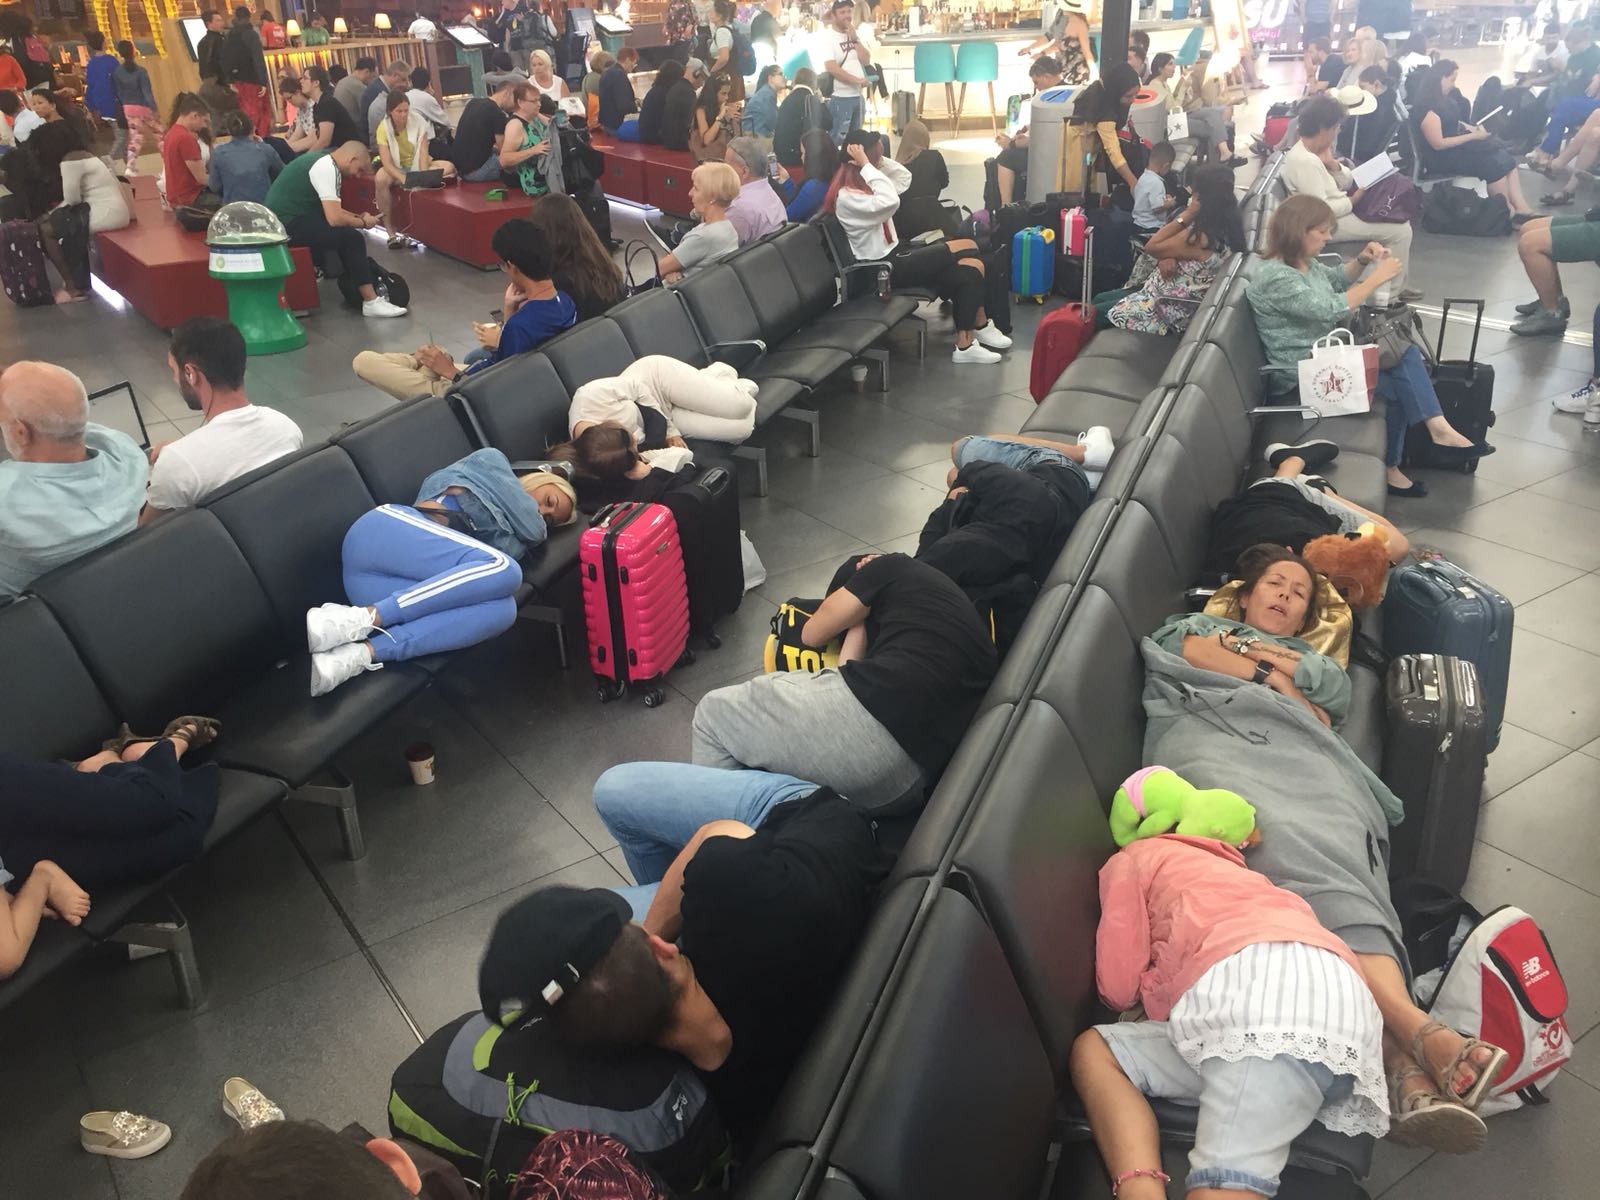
(518, 406)
(591, 350)
(656, 322)
(396, 450)
(732, 333)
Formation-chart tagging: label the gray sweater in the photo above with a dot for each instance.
(1324, 816)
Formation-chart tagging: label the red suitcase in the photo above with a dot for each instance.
(1063, 334)
(635, 598)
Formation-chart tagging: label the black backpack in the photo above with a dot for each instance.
(483, 1098)
(1461, 211)
(742, 58)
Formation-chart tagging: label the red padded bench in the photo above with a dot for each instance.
(163, 270)
(647, 174)
(455, 220)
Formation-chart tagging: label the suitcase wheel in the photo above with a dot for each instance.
(713, 640)
(654, 697)
(685, 659)
(609, 690)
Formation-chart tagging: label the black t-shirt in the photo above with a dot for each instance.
(770, 923)
(928, 661)
(589, 304)
(1269, 514)
(1332, 70)
(344, 125)
(481, 122)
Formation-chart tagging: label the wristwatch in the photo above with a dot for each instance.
(1263, 673)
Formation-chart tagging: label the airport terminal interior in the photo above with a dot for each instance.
(321, 974)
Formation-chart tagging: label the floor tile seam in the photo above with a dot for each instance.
(362, 946)
(1533, 865)
(399, 933)
(1424, 1161)
(1502, 438)
(1505, 546)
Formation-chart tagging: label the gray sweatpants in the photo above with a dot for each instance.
(811, 726)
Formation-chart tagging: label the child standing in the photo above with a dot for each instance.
(1150, 199)
(1257, 1014)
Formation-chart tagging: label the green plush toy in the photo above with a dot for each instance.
(1156, 801)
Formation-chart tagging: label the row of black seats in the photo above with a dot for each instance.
(204, 611)
(941, 1070)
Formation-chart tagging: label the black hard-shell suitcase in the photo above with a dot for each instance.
(1434, 757)
(1435, 607)
(1466, 394)
(705, 503)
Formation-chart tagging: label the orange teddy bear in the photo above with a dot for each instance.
(1356, 564)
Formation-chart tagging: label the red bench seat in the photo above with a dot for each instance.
(163, 270)
(647, 174)
(455, 220)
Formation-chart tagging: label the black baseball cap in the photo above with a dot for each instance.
(542, 946)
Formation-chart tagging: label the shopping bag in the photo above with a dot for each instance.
(1177, 126)
(1338, 379)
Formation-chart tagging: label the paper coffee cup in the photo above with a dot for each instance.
(419, 757)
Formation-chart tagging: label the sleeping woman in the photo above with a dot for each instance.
(1248, 705)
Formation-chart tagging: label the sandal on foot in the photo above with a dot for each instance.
(197, 731)
(1444, 1079)
(1424, 1118)
(124, 738)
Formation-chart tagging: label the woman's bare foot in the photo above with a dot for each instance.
(97, 760)
(137, 750)
(64, 898)
(1441, 1045)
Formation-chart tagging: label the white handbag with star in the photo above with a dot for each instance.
(1339, 377)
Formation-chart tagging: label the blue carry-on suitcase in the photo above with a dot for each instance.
(1434, 607)
(1033, 265)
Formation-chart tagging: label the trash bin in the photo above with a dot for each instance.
(250, 255)
(1148, 116)
(1046, 116)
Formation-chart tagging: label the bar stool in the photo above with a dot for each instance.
(935, 62)
(977, 62)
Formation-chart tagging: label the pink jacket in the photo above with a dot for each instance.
(1172, 907)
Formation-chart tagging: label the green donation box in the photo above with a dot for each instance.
(250, 255)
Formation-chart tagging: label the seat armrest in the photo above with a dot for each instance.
(1267, 410)
(758, 343)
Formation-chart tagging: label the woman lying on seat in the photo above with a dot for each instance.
(660, 400)
(1297, 300)
(865, 195)
(1187, 253)
(125, 815)
(1326, 813)
(1289, 508)
(608, 465)
(436, 575)
(1255, 1013)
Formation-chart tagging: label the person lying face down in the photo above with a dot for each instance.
(739, 952)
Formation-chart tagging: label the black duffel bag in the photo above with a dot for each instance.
(1461, 211)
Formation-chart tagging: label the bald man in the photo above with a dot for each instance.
(70, 486)
(305, 196)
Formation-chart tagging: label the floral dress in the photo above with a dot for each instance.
(680, 25)
(1165, 305)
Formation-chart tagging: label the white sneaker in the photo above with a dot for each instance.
(1097, 447)
(330, 625)
(1578, 401)
(977, 352)
(379, 307)
(332, 667)
(243, 1101)
(748, 386)
(992, 337)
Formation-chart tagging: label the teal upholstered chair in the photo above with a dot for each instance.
(977, 62)
(935, 62)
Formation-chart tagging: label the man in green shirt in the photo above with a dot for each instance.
(317, 34)
(305, 197)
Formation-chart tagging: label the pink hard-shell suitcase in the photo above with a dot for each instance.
(635, 598)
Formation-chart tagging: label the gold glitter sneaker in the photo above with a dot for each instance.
(242, 1101)
(122, 1134)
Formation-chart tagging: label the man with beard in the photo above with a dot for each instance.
(70, 486)
(207, 357)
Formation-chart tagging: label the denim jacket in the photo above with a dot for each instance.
(505, 517)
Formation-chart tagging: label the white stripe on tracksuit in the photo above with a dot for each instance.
(441, 583)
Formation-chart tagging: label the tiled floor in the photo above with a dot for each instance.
(321, 973)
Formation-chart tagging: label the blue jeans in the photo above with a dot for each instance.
(1019, 456)
(488, 171)
(1250, 1111)
(434, 589)
(1567, 114)
(654, 808)
(846, 111)
(1409, 399)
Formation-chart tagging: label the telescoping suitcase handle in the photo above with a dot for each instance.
(1088, 260)
(1477, 328)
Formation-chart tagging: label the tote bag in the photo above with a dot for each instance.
(1337, 379)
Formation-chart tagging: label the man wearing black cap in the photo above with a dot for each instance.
(744, 944)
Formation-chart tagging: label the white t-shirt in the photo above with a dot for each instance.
(845, 50)
(224, 448)
(324, 179)
(27, 121)
(424, 29)
(721, 39)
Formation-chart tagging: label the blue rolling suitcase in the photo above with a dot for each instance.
(1033, 264)
(1435, 607)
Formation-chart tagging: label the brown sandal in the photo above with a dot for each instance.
(1444, 1080)
(1425, 1118)
(197, 731)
